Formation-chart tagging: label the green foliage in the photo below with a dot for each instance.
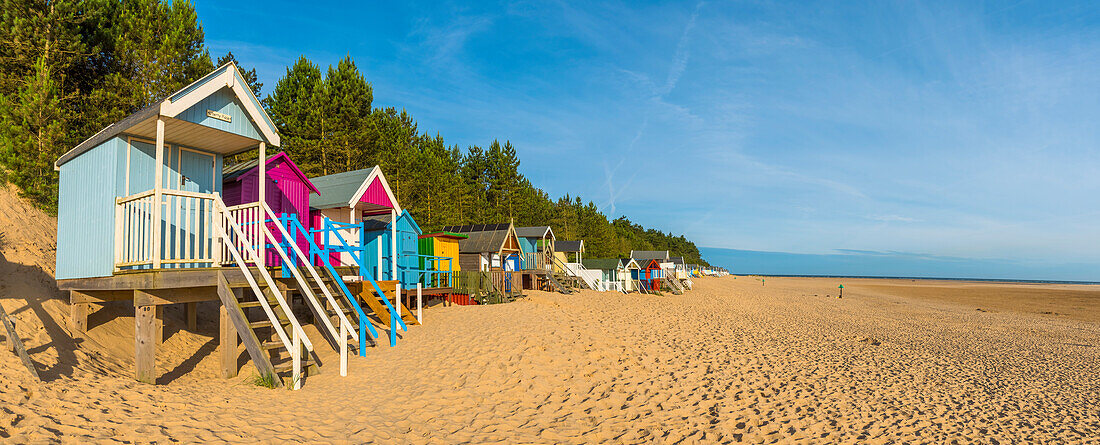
(70, 68)
(328, 126)
(249, 75)
(269, 381)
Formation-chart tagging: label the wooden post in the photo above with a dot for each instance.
(420, 303)
(145, 344)
(393, 244)
(192, 310)
(159, 313)
(78, 314)
(262, 195)
(158, 185)
(344, 350)
(397, 300)
(227, 346)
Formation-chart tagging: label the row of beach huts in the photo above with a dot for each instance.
(148, 213)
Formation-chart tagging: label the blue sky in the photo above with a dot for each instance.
(947, 129)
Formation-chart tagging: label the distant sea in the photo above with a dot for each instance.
(902, 265)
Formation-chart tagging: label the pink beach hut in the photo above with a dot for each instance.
(288, 191)
(350, 197)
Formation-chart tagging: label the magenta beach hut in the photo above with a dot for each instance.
(288, 190)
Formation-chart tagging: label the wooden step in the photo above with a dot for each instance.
(266, 324)
(289, 365)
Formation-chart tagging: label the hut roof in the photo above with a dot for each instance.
(482, 237)
(240, 170)
(347, 188)
(534, 232)
(225, 76)
(569, 246)
(676, 260)
(649, 255)
(629, 263)
(450, 235)
(602, 263)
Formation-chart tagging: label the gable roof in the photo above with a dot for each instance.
(225, 76)
(241, 170)
(534, 232)
(649, 255)
(381, 221)
(629, 263)
(482, 238)
(347, 189)
(568, 246)
(602, 263)
(676, 260)
(448, 235)
(649, 264)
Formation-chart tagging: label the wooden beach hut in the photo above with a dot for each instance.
(629, 274)
(346, 199)
(288, 191)
(649, 275)
(439, 254)
(537, 246)
(493, 249)
(611, 273)
(141, 218)
(567, 251)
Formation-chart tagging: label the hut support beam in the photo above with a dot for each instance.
(78, 314)
(192, 310)
(145, 345)
(227, 345)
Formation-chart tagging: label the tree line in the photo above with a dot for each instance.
(70, 68)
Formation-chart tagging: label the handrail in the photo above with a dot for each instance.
(186, 194)
(395, 319)
(134, 197)
(243, 206)
(363, 325)
(267, 280)
(292, 345)
(303, 285)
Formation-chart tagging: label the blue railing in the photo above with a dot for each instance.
(328, 230)
(429, 275)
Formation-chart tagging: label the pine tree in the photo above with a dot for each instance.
(249, 76)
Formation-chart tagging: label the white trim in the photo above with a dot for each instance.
(376, 171)
(227, 79)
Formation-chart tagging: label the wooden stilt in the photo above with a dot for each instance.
(227, 345)
(78, 315)
(192, 310)
(145, 344)
(159, 313)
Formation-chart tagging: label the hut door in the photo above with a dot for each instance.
(196, 171)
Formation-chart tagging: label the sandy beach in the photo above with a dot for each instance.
(732, 361)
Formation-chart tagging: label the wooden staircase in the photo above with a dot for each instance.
(673, 282)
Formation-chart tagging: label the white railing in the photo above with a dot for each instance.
(248, 217)
(346, 328)
(590, 277)
(229, 233)
(185, 231)
(134, 230)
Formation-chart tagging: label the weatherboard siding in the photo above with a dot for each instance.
(222, 101)
(86, 211)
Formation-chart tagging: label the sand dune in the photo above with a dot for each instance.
(730, 362)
